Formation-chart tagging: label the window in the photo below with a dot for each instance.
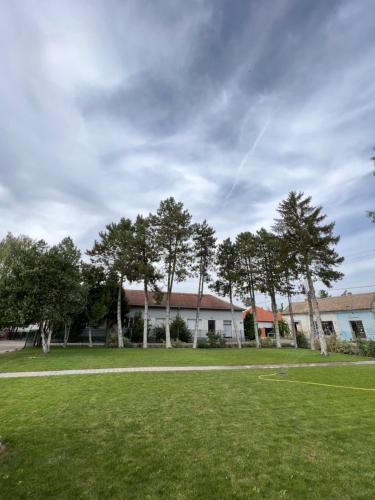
(328, 327)
(358, 329)
(191, 324)
(228, 328)
(211, 325)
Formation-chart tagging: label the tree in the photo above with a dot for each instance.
(114, 251)
(248, 326)
(136, 329)
(147, 254)
(59, 291)
(227, 277)
(246, 247)
(323, 294)
(73, 293)
(19, 262)
(313, 241)
(179, 330)
(271, 277)
(204, 242)
(290, 275)
(173, 234)
(97, 303)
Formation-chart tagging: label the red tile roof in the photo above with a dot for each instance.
(264, 316)
(349, 302)
(182, 300)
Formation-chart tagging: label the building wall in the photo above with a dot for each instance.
(367, 318)
(157, 316)
(341, 322)
(304, 322)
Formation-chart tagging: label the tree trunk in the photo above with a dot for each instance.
(44, 341)
(66, 334)
(200, 294)
(90, 337)
(119, 322)
(294, 331)
(45, 334)
(275, 321)
(322, 339)
(311, 321)
(168, 343)
(255, 322)
(234, 324)
(145, 319)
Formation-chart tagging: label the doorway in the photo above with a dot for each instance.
(211, 325)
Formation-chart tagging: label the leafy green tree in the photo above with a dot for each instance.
(246, 247)
(20, 258)
(270, 272)
(59, 292)
(173, 234)
(323, 294)
(227, 277)
(115, 252)
(314, 245)
(147, 254)
(204, 242)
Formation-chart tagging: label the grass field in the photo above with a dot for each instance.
(101, 357)
(207, 435)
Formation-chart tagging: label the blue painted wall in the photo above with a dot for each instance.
(367, 318)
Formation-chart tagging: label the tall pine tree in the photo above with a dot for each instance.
(173, 233)
(271, 279)
(147, 254)
(227, 278)
(247, 246)
(204, 253)
(114, 251)
(313, 241)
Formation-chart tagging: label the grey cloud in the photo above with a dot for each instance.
(107, 107)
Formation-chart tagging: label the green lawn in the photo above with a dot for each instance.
(101, 357)
(206, 435)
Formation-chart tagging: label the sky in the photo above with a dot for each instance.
(109, 106)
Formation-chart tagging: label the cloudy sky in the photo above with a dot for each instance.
(108, 106)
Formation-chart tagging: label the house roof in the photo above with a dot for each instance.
(263, 316)
(357, 302)
(182, 300)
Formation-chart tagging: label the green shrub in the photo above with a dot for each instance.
(215, 339)
(179, 330)
(158, 333)
(333, 343)
(366, 347)
(136, 329)
(284, 328)
(268, 342)
(302, 340)
(202, 343)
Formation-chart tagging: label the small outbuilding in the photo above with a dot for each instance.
(264, 320)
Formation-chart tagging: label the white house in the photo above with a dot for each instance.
(215, 313)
